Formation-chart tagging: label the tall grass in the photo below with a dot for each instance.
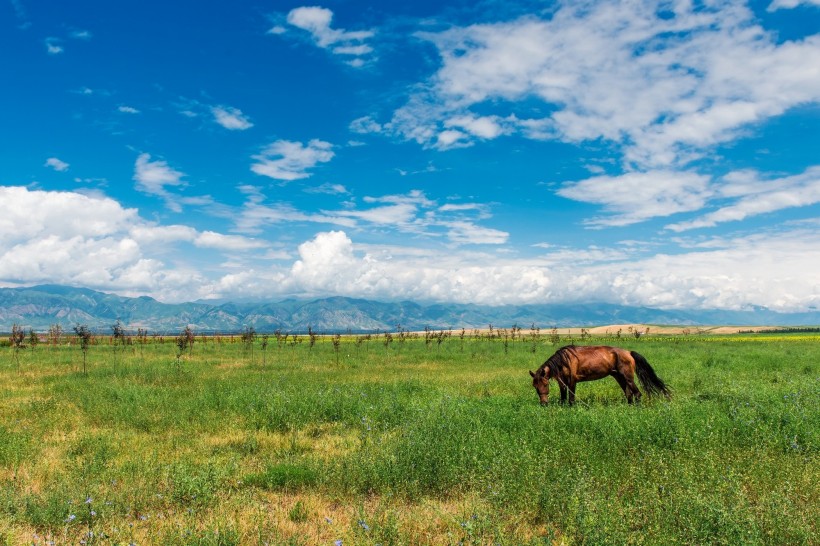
(435, 439)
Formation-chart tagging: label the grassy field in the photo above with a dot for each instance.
(408, 441)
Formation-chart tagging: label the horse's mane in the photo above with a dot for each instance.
(560, 359)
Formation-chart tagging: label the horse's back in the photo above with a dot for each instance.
(597, 361)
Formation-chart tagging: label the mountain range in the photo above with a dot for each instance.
(39, 307)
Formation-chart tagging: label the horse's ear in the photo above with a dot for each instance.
(532, 373)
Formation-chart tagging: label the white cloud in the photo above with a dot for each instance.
(128, 110)
(56, 164)
(790, 4)
(53, 46)
(396, 215)
(69, 238)
(316, 20)
(81, 35)
(152, 177)
(755, 196)
(364, 125)
(485, 127)
(664, 81)
(231, 118)
(287, 160)
(212, 239)
(782, 278)
(463, 232)
(91, 240)
(414, 197)
(253, 216)
(635, 197)
(329, 189)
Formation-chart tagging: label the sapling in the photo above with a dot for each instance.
(84, 337)
(337, 344)
(142, 339)
(311, 339)
(180, 343)
(17, 339)
(190, 337)
(33, 339)
(118, 335)
(248, 336)
(265, 350)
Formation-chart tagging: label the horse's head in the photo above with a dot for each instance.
(541, 382)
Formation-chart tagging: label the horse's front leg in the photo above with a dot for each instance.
(563, 388)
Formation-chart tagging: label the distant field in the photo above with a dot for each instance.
(428, 439)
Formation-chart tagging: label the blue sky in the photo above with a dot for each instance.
(646, 153)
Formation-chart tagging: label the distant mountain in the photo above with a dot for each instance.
(39, 307)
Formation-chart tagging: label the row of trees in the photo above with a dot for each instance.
(184, 341)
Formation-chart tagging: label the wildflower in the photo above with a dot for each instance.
(337, 542)
(71, 517)
(93, 513)
(364, 525)
(327, 519)
(88, 500)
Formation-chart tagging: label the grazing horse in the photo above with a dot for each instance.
(571, 365)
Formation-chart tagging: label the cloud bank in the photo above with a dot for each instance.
(70, 238)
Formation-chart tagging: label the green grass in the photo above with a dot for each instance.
(408, 443)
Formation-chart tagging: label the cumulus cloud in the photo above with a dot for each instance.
(288, 160)
(69, 238)
(56, 164)
(128, 110)
(714, 277)
(664, 81)
(91, 240)
(231, 118)
(351, 45)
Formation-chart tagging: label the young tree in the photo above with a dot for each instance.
(248, 337)
(17, 339)
(337, 345)
(181, 343)
(265, 350)
(190, 337)
(55, 332)
(118, 336)
(33, 339)
(84, 337)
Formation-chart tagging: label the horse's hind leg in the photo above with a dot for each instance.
(633, 389)
(624, 386)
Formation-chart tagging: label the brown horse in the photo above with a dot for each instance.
(571, 365)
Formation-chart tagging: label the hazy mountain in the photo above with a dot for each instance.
(39, 307)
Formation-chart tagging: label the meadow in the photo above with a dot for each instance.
(435, 438)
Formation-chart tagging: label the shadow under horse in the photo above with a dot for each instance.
(571, 365)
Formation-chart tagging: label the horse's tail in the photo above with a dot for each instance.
(648, 378)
